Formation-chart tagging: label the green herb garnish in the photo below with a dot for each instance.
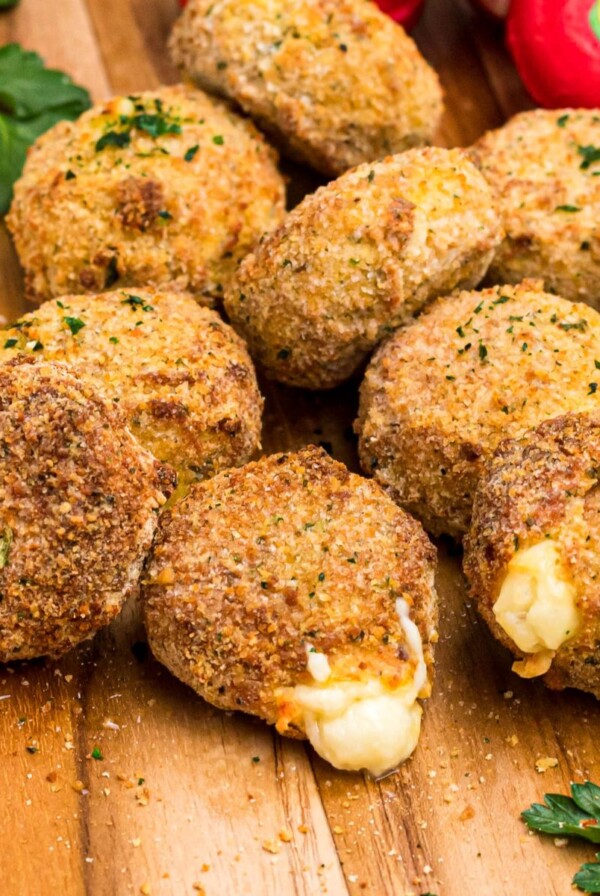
(574, 816)
(590, 155)
(32, 99)
(588, 876)
(97, 753)
(191, 152)
(218, 140)
(113, 138)
(75, 324)
(567, 208)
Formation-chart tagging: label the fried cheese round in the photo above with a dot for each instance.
(78, 508)
(180, 375)
(544, 167)
(476, 368)
(359, 257)
(299, 592)
(532, 556)
(168, 186)
(336, 82)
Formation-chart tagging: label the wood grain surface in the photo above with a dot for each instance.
(190, 800)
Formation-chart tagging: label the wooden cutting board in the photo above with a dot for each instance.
(187, 799)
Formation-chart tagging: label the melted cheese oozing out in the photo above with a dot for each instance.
(536, 606)
(363, 724)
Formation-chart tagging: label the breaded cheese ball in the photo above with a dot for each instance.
(168, 186)
(476, 368)
(532, 555)
(182, 378)
(299, 592)
(336, 82)
(78, 508)
(359, 257)
(544, 166)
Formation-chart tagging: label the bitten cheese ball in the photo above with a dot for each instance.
(359, 257)
(336, 82)
(478, 367)
(532, 555)
(299, 592)
(181, 376)
(78, 508)
(543, 166)
(168, 186)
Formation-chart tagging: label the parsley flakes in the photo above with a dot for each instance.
(75, 324)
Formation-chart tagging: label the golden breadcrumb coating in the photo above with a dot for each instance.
(477, 367)
(291, 553)
(182, 377)
(542, 486)
(78, 508)
(543, 166)
(336, 82)
(168, 186)
(359, 257)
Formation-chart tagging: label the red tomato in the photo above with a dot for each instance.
(556, 48)
(406, 12)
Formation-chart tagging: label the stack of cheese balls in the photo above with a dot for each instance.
(290, 587)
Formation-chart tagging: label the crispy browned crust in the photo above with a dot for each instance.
(182, 377)
(544, 485)
(549, 199)
(257, 562)
(359, 257)
(178, 208)
(477, 367)
(335, 82)
(78, 508)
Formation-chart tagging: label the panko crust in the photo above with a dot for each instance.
(359, 257)
(544, 485)
(336, 82)
(78, 509)
(291, 550)
(477, 367)
(540, 166)
(182, 378)
(167, 186)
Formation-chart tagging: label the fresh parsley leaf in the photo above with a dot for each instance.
(32, 99)
(567, 208)
(588, 876)
(575, 816)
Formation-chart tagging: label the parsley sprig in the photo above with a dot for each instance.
(574, 816)
(32, 99)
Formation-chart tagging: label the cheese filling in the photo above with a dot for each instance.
(363, 724)
(537, 604)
